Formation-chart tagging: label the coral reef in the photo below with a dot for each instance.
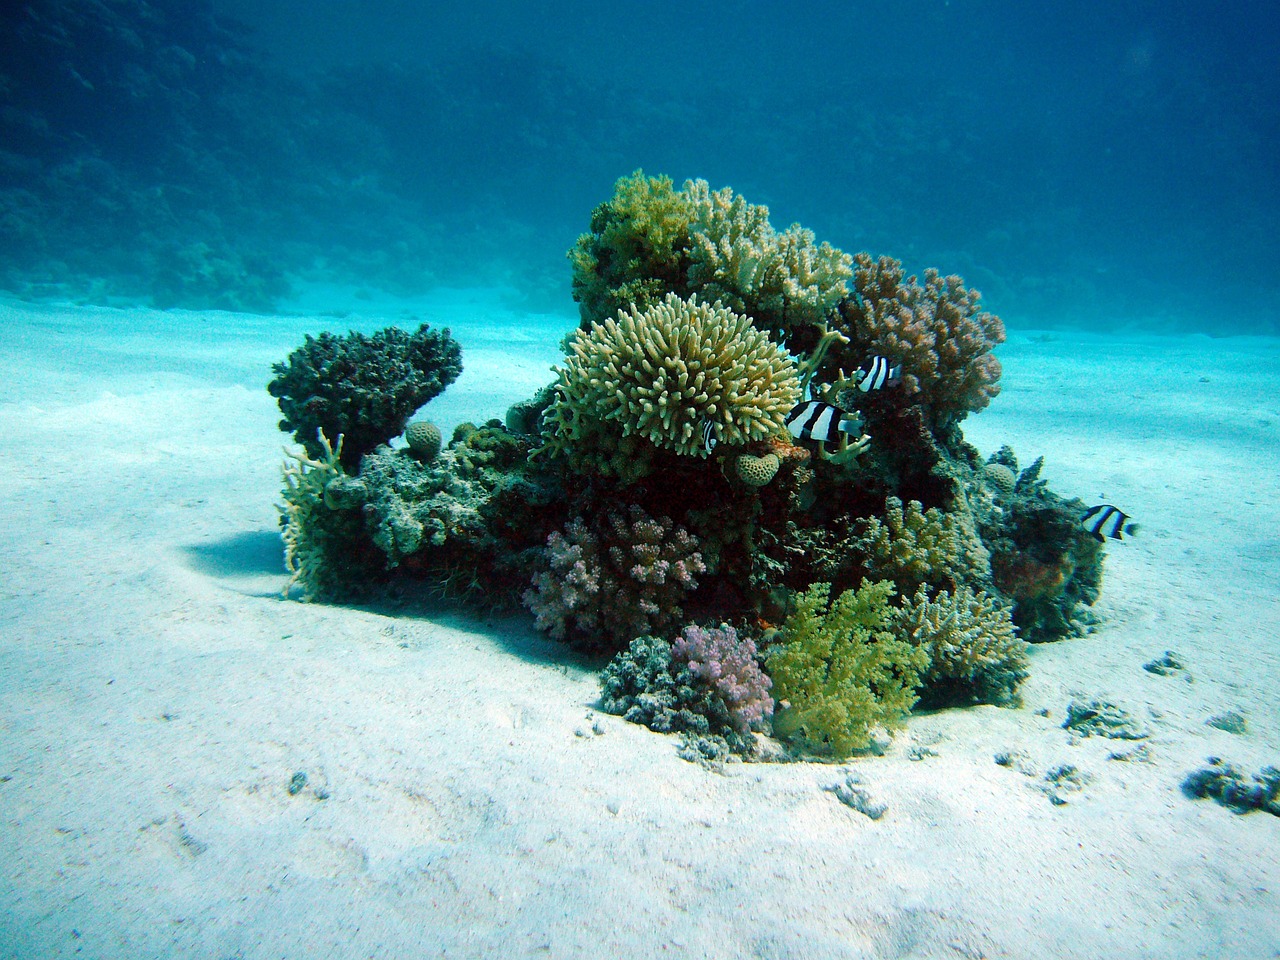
(727, 664)
(362, 387)
(1041, 558)
(1098, 718)
(975, 655)
(662, 375)
(839, 670)
(322, 532)
(606, 582)
(936, 329)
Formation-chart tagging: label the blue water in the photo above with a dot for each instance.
(1092, 164)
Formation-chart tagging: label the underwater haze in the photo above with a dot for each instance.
(1088, 164)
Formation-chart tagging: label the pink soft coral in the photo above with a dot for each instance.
(727, 664)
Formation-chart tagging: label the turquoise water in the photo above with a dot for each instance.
(1081, 164)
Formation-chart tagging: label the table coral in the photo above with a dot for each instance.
(662, 373)
(363, 387)
(840, 671)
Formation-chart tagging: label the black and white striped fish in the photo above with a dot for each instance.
(1104, 521)
(877, 372)
(815, 420)
(709, 436)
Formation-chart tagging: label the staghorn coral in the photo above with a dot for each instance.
(636, 251)
(839, 671)
(781, 280)
(914, 546)
(936, 329)
(362, 387)
(612, 580)
(975, 655)
(726, 663)
(658, 375)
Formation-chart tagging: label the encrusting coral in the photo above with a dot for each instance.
(664, 374)
(363, 387)
(975, 655)
(609, 581)
(840, 671)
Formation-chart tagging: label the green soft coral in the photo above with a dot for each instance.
(840, 671)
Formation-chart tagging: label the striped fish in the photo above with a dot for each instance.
(1104, 521)
(709, 438)
(815, 420)
(877, 372)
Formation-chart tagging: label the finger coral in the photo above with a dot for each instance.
(936, 329)
(662, 374)
(363, 387)
(615, 579)
(975, 655)
(840, 671)
(781, 280)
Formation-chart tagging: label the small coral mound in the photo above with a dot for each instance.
(424, 440)
(363, 387)
(615, 579)
(726, 663)
(975, 655)
(1233, 789)
(756, 471)
(664, 373)
(840, 671)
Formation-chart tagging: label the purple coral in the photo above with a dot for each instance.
(935, 329)
(727, 663)
(616, 579)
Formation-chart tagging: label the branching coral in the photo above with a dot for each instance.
(726, 663)
(840, 671)
(321, 525)
(662, 374)
(781, 280)
(647, 684)
(362, 387)
(914, 546)
(615, 579)
(936, 329)
(636, 251)
(975, 655)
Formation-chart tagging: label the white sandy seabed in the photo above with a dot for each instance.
(463, 795)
